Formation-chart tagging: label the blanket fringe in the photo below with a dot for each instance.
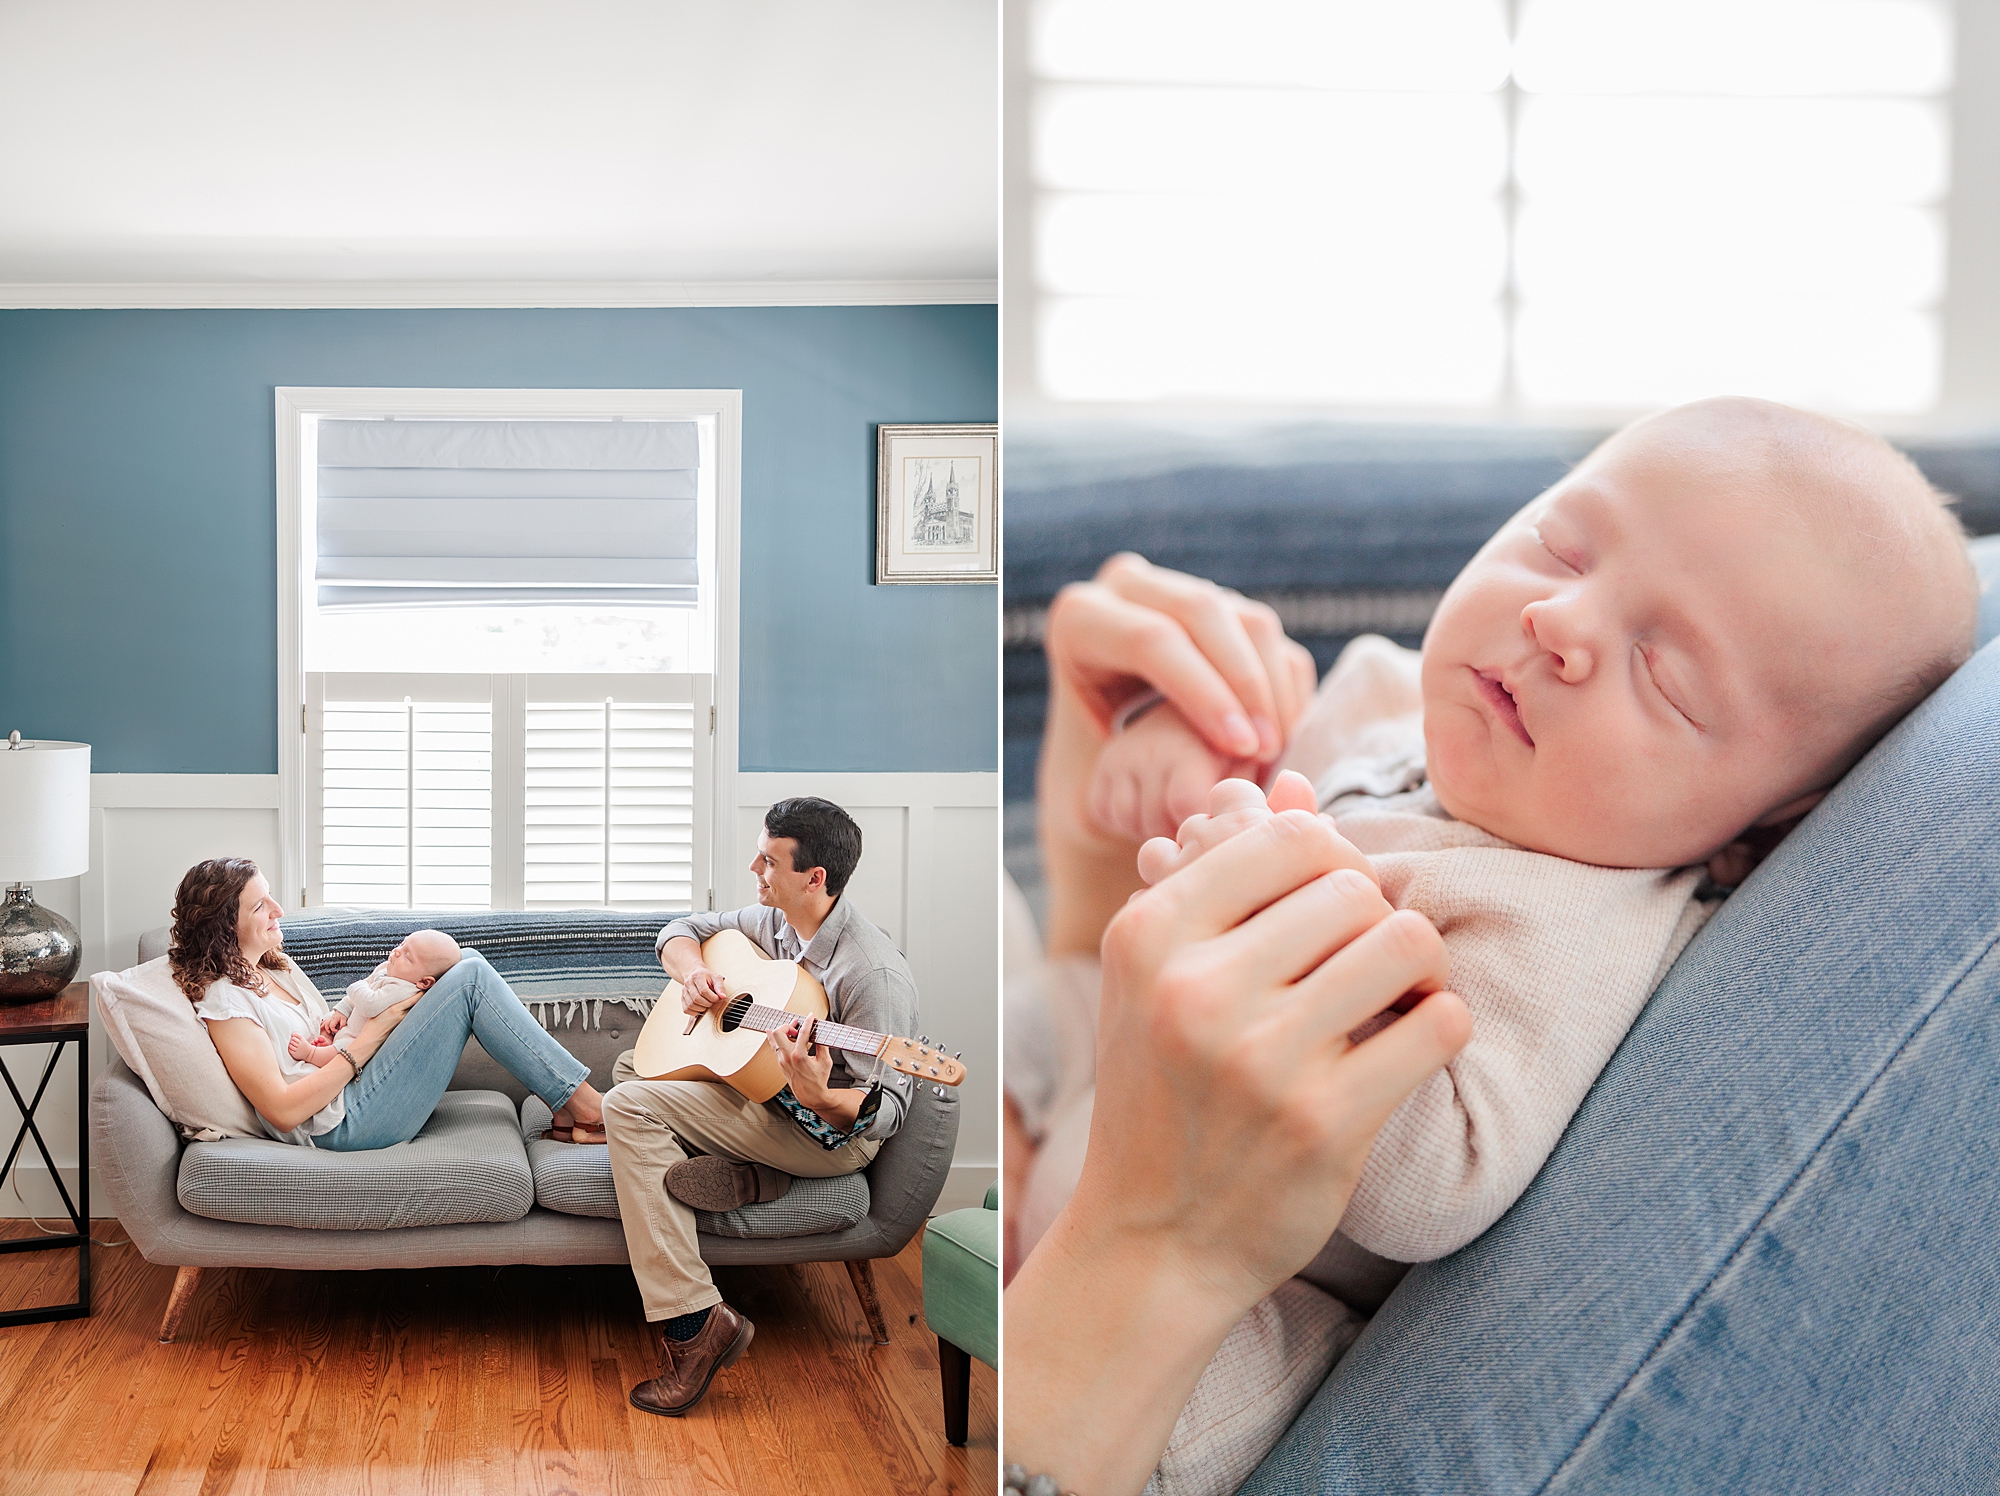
(560, 1012)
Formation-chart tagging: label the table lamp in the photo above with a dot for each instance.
(44, 834)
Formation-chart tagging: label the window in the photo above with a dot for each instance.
(508, 645)
(1474, 205)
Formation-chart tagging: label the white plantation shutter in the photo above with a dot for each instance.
(609, 804)
(406, 804)
(538, 792)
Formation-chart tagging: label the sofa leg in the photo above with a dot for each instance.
(955, 1370)
(862, 1274)
(184, 1286)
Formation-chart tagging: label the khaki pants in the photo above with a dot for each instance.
(651, 1125)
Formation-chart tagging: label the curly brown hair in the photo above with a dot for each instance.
(204, 947)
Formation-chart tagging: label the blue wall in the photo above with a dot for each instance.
(138, 591)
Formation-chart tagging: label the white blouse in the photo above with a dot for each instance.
(280, 1019)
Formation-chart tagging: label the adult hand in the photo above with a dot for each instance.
(1238, 1096)
(702, 989)
(807, 1066)
(1232, 1118)
(370, 1037)
(1234, 806)
(1220, 658)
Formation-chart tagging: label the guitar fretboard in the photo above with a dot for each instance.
(769, 1020)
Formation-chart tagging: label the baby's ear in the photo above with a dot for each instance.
(424, 983)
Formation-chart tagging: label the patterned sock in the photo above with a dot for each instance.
(686, 1326)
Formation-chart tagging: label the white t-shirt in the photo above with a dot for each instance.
(279, 1020)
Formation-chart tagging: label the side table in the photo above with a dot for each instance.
(63, 1019)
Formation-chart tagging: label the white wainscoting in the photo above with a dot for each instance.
(928, 876)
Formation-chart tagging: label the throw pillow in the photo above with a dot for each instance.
(153, 1028)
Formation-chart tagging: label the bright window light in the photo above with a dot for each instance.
(1626, 203)
(1752, 47)
(1430, 45)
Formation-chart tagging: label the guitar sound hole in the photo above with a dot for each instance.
(732, 1016)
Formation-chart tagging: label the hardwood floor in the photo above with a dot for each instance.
(470, 1380)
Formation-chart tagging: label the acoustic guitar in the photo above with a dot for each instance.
(727, 1042)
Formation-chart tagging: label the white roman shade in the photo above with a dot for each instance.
(434, 512)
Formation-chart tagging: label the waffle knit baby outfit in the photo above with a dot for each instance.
(1554, 960)
(371, 995)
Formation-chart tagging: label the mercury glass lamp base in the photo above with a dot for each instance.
(39, 949)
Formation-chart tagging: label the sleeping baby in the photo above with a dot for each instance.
(423, 957)
(1639, 684)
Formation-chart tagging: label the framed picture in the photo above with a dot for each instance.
(937, 503)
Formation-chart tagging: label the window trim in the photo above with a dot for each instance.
(294, 403)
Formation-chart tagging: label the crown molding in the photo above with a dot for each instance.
(379, 294)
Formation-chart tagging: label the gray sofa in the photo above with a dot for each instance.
(477, 1186)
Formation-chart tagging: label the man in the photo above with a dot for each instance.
(682, 1146)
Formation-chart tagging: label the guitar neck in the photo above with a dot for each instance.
(916, 1057)
(769, 1020)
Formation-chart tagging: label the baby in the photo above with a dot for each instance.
(1650, 673)
(423, 957)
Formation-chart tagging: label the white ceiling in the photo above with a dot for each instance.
(583, 143)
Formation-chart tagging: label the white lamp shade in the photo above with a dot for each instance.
(44, 811)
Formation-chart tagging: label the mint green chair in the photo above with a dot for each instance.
(962, 1300)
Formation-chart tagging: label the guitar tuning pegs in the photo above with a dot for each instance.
(958, 1054)
(939, 1091)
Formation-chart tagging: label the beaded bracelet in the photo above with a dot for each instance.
(1018, 1479)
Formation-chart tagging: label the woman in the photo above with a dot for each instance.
(1227, 1091)
(227, 957)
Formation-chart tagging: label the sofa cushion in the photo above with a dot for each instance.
(575, 1179)
(152, 1025)
(962, 1279)
(467, 1164)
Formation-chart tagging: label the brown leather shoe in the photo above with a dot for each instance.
(719, 1184)
(690, 1365)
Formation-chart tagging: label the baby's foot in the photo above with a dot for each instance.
(312, 1054)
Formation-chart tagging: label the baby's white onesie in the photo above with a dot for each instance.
(1554, 960)
(367, 997)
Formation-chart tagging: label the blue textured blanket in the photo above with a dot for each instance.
(560, 962)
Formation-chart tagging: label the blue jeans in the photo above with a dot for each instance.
(396, 1092)
(1766, 1255)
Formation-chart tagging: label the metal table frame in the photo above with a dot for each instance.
(50, 1023)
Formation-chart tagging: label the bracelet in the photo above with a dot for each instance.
(1018, 1479)
(350, 1062)
(1134, 709)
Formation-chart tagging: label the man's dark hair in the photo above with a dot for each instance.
(826, 836)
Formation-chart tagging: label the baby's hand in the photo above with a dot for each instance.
(1234, 806)
(1157, 773)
